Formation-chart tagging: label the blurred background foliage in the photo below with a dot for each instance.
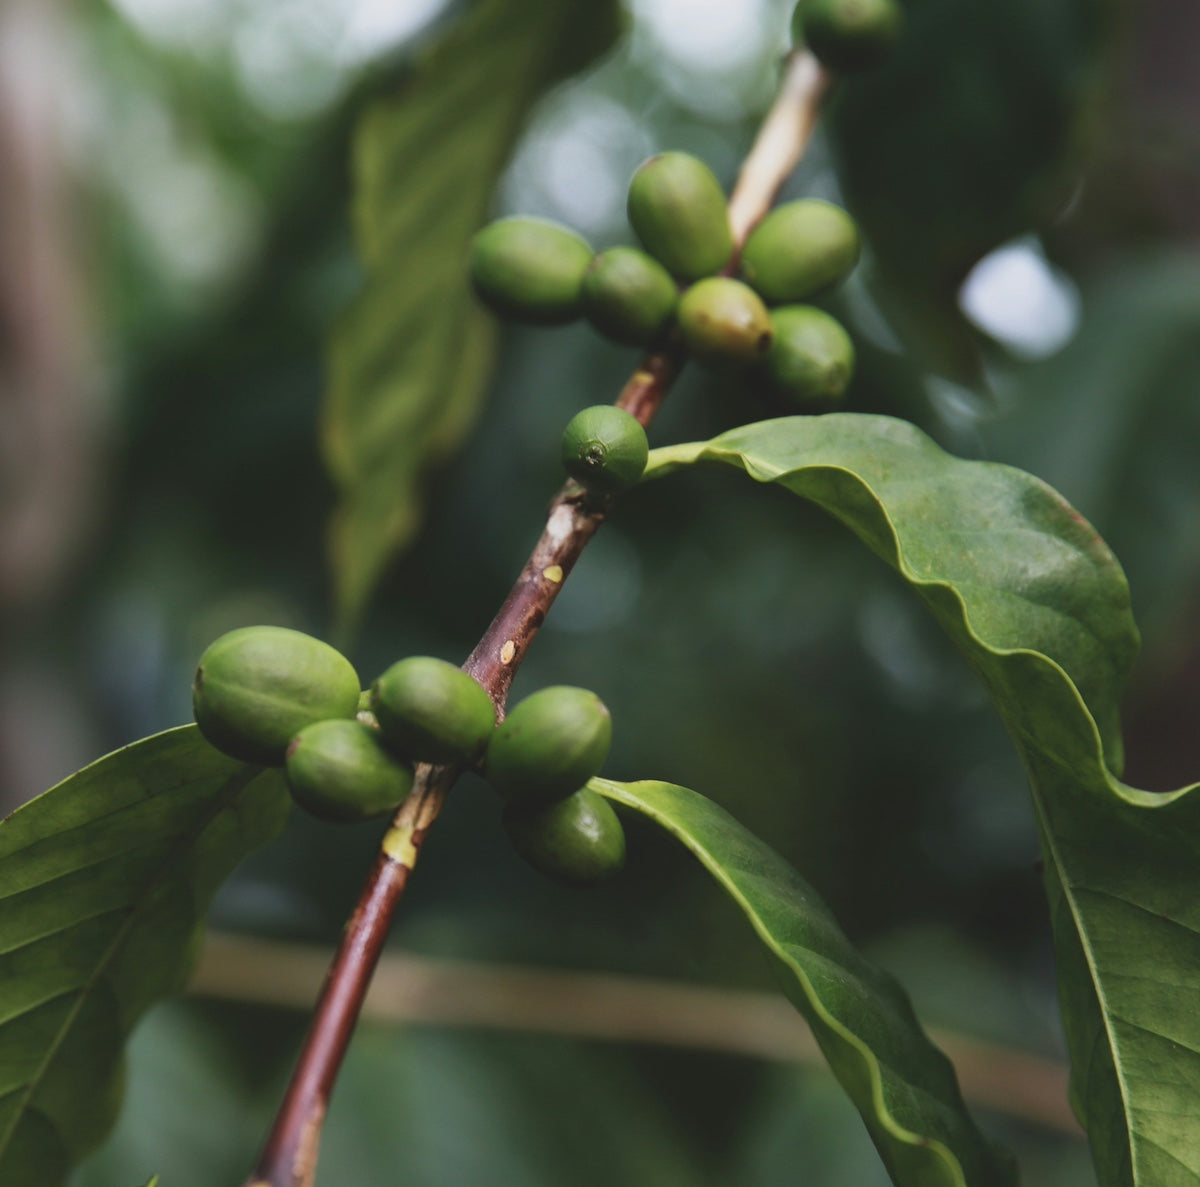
(176, 245)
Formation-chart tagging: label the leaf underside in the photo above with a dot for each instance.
(1039, 608)
(903, 1086)
(104, 882)
(409, 360)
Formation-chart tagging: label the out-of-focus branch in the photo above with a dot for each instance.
(780, 143)
(417, 989)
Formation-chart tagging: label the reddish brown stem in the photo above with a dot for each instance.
(289, 1156)
(572, 521)
(291, 1148)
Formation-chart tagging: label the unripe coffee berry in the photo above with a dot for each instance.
(550, 745)
(629, 296)
(577, 841)
(724, 319)
(812, 357)
(678, 209)
(432, 711)
(530, 269)
(257, 686)
(339, 771)
(604, 448)
(798, 249)
(848, 34)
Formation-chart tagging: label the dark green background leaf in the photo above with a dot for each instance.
(1112, 421)
(1040, 609)
(967, 138)
(410, 359)
(903, 1087)
(104, 881)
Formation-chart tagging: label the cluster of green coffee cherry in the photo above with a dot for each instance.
(278, 697)
(537, 271)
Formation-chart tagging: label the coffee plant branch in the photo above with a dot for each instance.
(288, 1158)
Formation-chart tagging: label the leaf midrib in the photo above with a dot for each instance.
(1050, 841)
(234, 786)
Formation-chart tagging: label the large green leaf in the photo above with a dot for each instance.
(903, 1086)
(104, 881)
(1040, 609)
(409, 360)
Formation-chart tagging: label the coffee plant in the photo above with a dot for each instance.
(817, 360)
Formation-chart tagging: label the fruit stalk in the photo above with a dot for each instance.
(289, 1156)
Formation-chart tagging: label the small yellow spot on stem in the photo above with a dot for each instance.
(642, 377)
(553, 573)
(507, 652)
(397, 844)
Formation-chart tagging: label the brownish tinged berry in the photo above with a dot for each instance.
(722, 319)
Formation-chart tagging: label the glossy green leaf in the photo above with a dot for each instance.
(1040, 609)
(409, 360)
(901, 1084)
(104, 881)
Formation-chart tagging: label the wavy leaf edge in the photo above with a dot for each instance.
(638, 797)
(1117, 857)
(669, 459)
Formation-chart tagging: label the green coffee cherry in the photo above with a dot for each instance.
(812, 357)
(629, 296)
(848, 34)
(432, 711)
(257, 686)
(723, 319)
(677, 207)
(550, 745)
(604, 448)
(799, 249)
(530, 269)
(578, 840)
(339, 771)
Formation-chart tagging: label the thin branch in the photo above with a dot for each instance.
(780, 143)
(572, 521)
(289, 1156)
(421, 990)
